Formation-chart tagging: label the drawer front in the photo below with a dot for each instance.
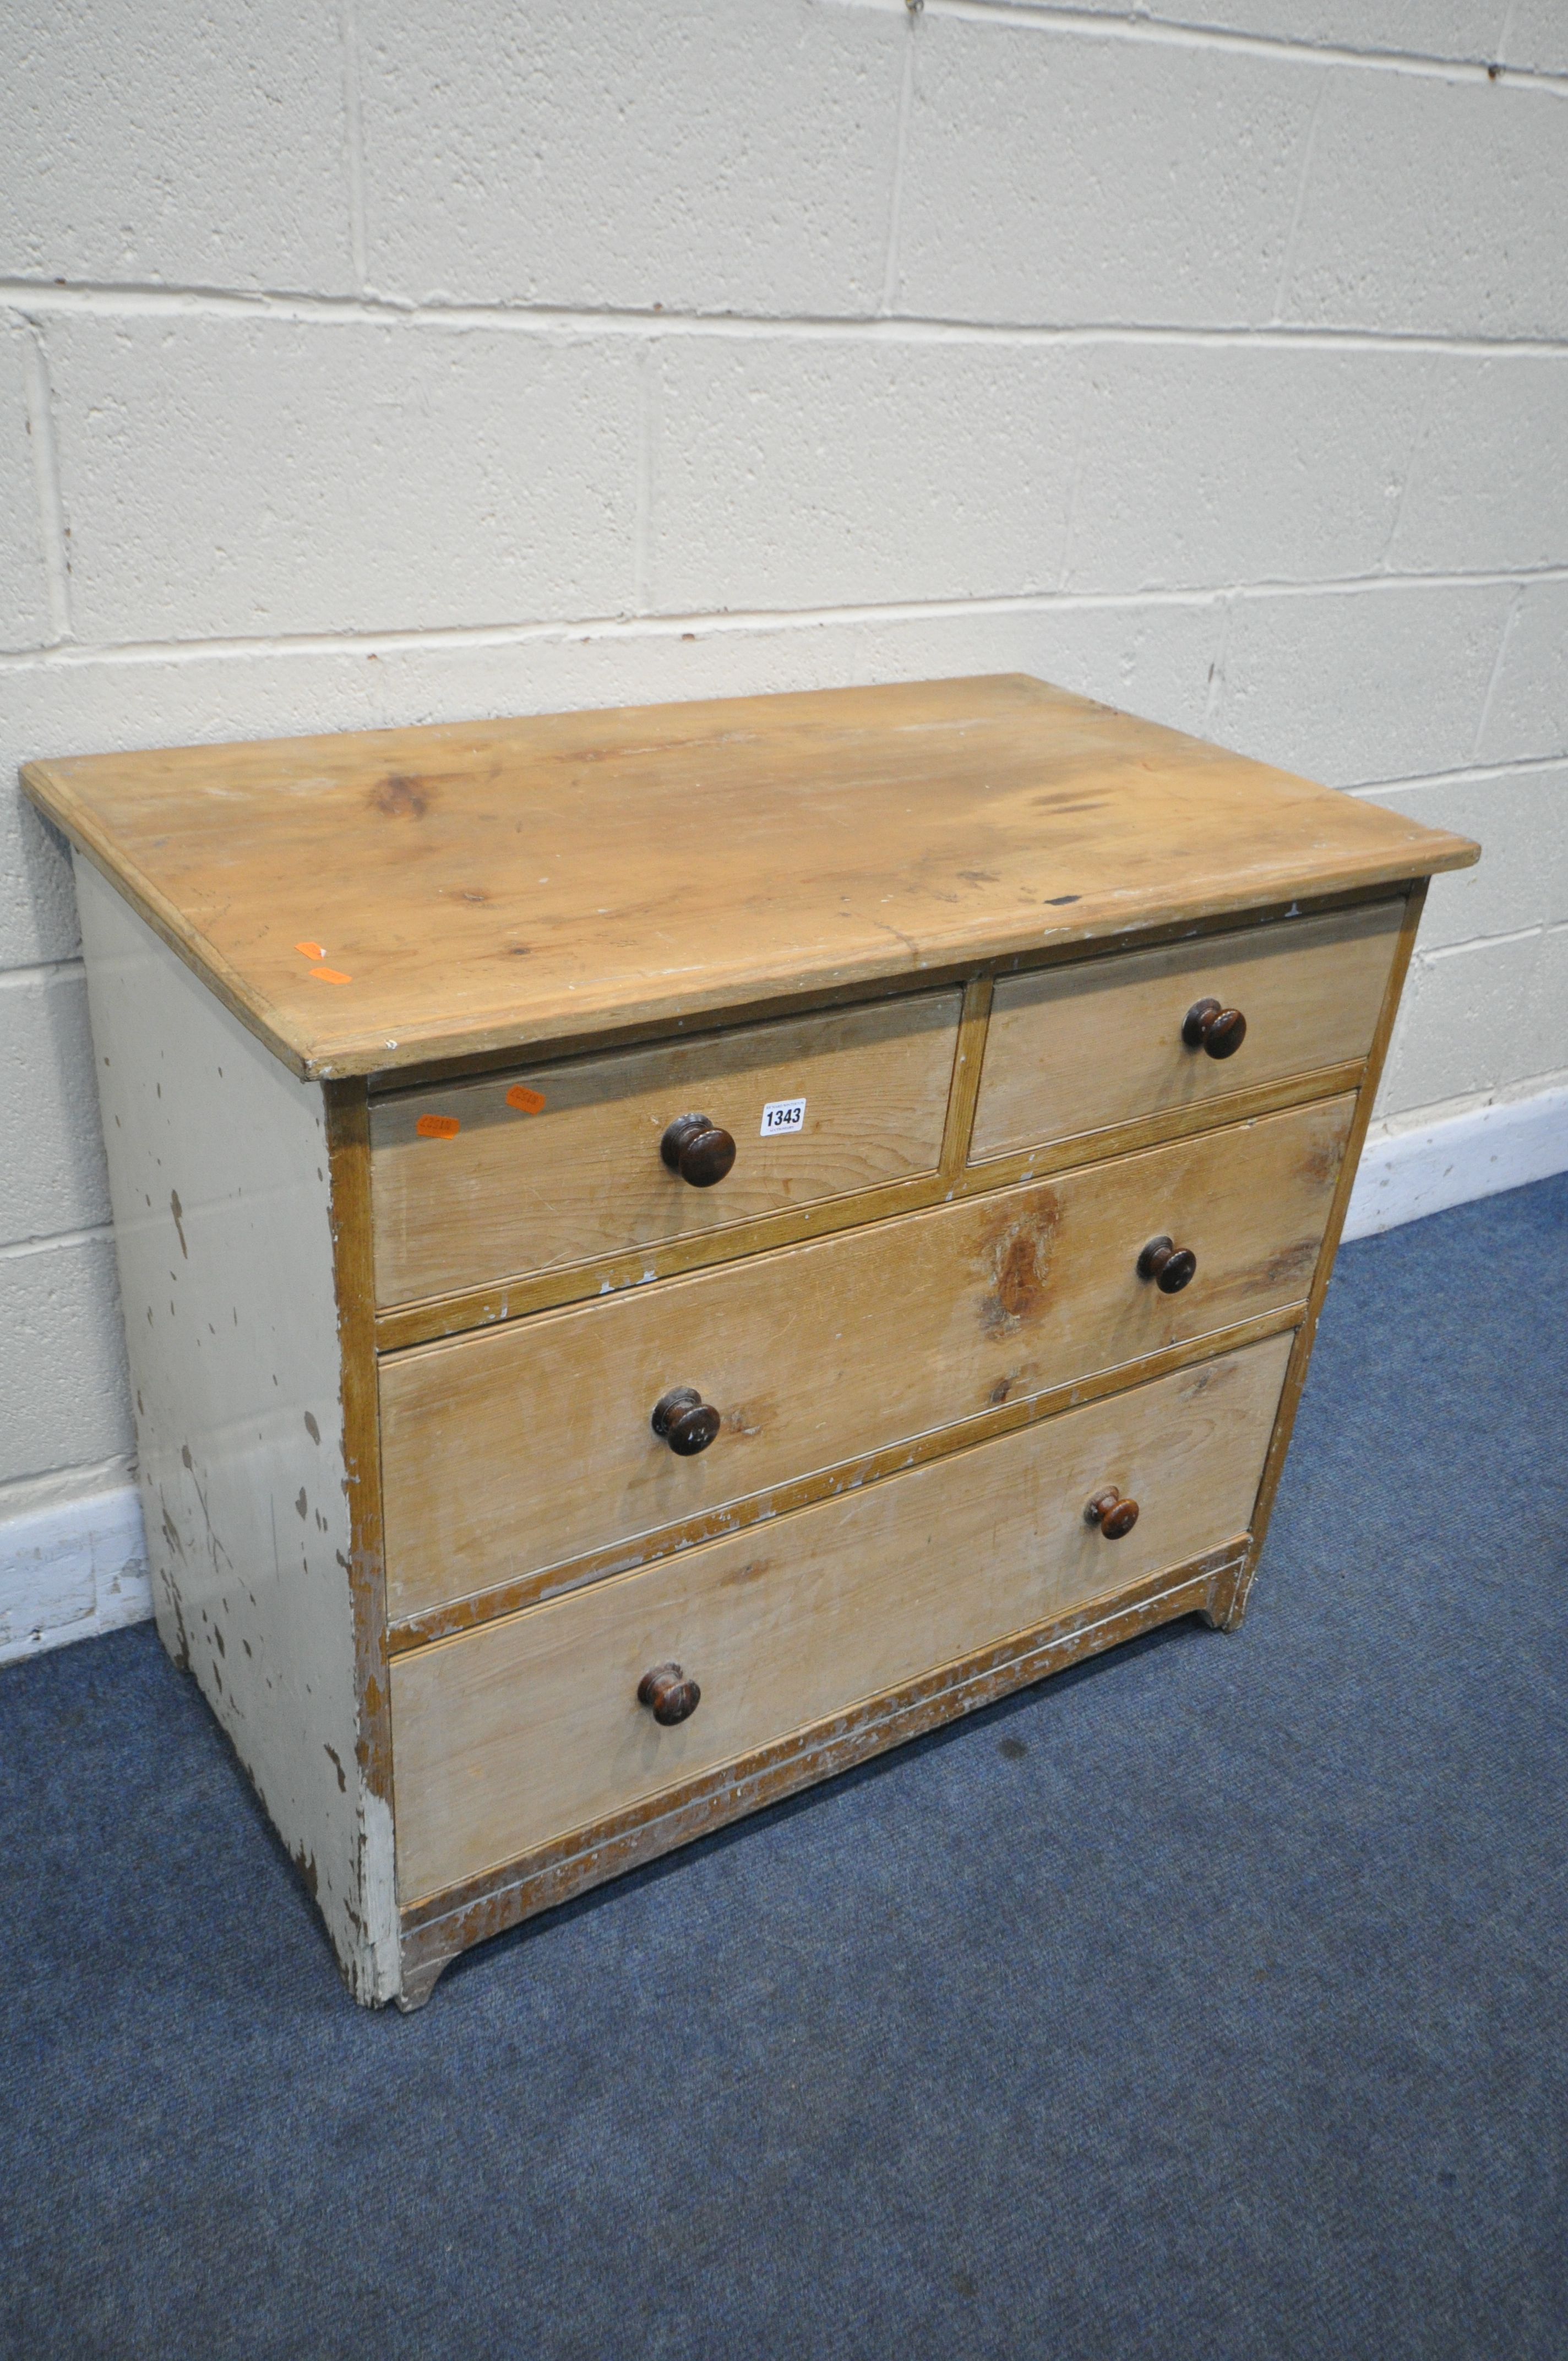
(530, 1446)
(1074, 1050)
(534, 1168)
(527, 1729)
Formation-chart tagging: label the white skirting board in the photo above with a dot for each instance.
(1406, 1173)
(70, 1570)
(78, 1567)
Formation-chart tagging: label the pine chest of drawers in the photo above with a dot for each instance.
(666, 1251)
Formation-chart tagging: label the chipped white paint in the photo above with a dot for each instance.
(218, 1174)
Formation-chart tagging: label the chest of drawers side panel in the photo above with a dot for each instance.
(220, 1167)
(1306, 1336)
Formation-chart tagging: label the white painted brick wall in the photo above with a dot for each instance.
(24, 589)
(792, 474)
(1382, 680)
(728, 157)
(1537, 36)
(65, 1357)
(230, 477)
(1431, 209)
(408, 359)
(1289, 465)
(1526, 715)
(197, 146)
(49, 1098)
(1053, 178)
(1414, 29)
(1487, 484)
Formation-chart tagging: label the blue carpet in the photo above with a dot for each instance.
(1207, 2000)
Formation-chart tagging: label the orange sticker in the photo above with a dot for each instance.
(309, 950)
(526, 1101)
(438, 1126)
(331, 975)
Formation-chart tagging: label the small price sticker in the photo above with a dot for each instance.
(783, 1115)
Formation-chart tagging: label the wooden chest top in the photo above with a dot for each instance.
(379, 900)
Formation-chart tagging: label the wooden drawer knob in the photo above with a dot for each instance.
(1169, 1266)
(1209, 1025)
(700, 1151)
(1113, 1515)
(668, 1695)
(685, 1421)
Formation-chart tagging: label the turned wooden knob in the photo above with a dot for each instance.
(1209, 1025)
(1169, 1266)
(685, 1421)
(668, 1695)
(1113, 1515)
(700, 1151)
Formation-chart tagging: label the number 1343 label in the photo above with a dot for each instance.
(783, 1115)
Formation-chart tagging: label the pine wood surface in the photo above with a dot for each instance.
(1073, 1050)
(427, 1321)
(440, 1925)
(376, 900)
(634, 1032)
(823, 1353)
(561, 1165)
(516, 1591)
(528, 1729)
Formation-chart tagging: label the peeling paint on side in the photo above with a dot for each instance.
(236, 1371)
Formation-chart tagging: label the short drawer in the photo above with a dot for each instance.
(1073, 1050)
(528, 1446)
(529, 1729)
(533, 1168)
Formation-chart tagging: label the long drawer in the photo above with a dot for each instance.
(540, 1168)
(529, 1728)
(1073, 1051)
(531, 1445)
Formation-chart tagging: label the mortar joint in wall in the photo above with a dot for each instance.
(54, 533)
